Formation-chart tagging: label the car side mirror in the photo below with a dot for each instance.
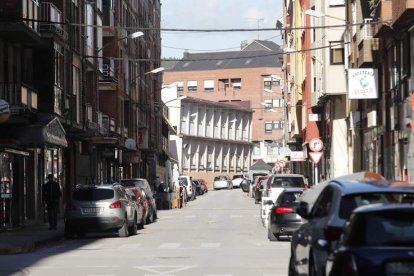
(303, 209)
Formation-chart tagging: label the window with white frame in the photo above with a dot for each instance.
(236, 83)
(278, 125)
(209, 85)
(180, 86)
(192, 86)
(335, 3)
(278, 102)
(256, 148)
(268, 127)
(271, 82)
(337, 52)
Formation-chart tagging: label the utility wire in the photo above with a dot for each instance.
(18, 20)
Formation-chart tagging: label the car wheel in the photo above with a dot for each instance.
(123, 231)
(141, 224)
(155, 215)
(150, 218)
(134, 227)
(271, 236)
(292, 269)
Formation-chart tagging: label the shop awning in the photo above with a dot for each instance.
(46, 131)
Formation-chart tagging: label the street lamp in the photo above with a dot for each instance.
(317, 14)
(155, 71)
(131, 36)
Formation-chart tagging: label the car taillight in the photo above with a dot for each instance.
(283, 210)
(332, 233)
(115, 205)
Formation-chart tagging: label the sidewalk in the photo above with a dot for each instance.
(29, 238)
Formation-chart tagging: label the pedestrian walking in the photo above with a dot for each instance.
(51, 196)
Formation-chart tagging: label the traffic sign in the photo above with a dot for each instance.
(315, 156)
(316, 144)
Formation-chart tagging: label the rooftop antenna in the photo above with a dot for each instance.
(258, 25)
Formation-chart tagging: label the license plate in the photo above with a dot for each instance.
(92, 210)
(400, 268)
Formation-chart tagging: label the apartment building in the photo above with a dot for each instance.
(73, 88)
(254, 75)
(212, 138)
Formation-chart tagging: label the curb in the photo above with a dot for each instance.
(27, 246)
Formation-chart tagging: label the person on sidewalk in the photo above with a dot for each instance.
(51, 196)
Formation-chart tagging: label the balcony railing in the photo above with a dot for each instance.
(18, 96)
(367, 30)
(51, 17)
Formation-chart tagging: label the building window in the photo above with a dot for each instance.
(271, 82)
(192, 86)
(256, 148)
(278, 124)
(223, 84)
(209, 85)
(337, 52)
(268, 127)
(180, 86)
(236, 83)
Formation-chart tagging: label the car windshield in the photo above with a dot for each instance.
(93, 194)
(291, 182)
(389, 228)
(218, 178)
(350, 202)
(183, 179)
(290, 197)
(132, 183)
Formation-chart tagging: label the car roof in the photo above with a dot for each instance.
(381, 207)
(370, 186)
(288, 174)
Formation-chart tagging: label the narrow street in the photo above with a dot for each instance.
(219, 233)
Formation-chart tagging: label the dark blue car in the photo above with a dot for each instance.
(378, 240)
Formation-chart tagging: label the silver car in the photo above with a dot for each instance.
(100, 208)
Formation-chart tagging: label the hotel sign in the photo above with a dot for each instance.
(363, 83)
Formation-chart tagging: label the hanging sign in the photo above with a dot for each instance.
(363, 83)
(316, 144)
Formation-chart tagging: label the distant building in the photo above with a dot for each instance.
(211, 138)
(252, 75)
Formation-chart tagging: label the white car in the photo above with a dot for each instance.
(186, 180)
(237, 180)
(222, 182)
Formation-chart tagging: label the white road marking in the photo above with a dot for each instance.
(210, 245)
(164, 270)
(170, 245)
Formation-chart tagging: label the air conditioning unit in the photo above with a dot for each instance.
(372, 119)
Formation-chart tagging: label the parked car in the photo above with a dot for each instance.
(198, 187)
(100, 208)
(378, 240)
(148, 195)
(260, 188)
(139, 208)
(203, 185)
(236, 180)
(245, 185)
(186, 181)
(283, 219)
(335, 200)
(222, 182)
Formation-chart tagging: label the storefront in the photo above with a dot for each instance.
(27, 155)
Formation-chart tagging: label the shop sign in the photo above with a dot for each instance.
(363, 83)
(297, 156)
(314, 117)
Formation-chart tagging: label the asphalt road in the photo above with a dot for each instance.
(218, 234)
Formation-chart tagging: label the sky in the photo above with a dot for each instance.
(216, 14)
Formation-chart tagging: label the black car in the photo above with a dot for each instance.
(245, 185)
(283, 219)
(378, 240)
